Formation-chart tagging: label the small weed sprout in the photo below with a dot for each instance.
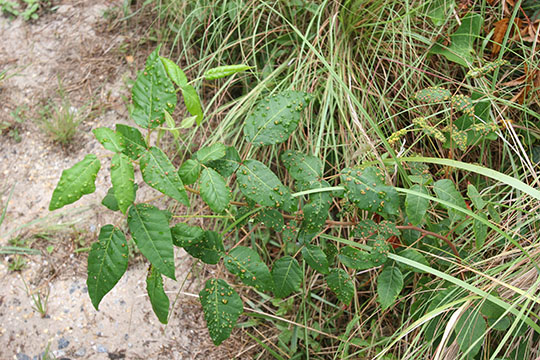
(40, 301)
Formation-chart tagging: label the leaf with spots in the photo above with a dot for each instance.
(302, 167)
(416, 206)
(227, 165)
(341, 284)
(275, 118)
(107, 262)
(152, 94)
(209, 249)
(258, 183)
(156, 293)
(446, 191)
(379, 251)
(214, 190)
(317, 209)
(315, 258)
(110, 202)
(287, 276)
(174, 72)
(210, 153)
(184, 235)
(192, 102)
(159, 173)
(248, 266)
(271, 218)
(433, 95)
(123, 181)
(109, 139)
(367, 190)
(222, 307)
(134, 144)
(75, 182)
(389, 285)
(355, 258)
(150, 230)
(189, 171)
(225, 70)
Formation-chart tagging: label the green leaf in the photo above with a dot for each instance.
(461, 48)
(248, 266)
(432, 95)
(209, 153)
(159, 173)
(287, 276)
(152, 94)
(134, 144)
(368, 191)
(258, 183)
(189, 171)
(192, 102)
(341, 284)
(227, 165)
(315, 258)
(480, 232)
(379, 251)
(109, 201)
(222, 307)
(274, 119)
(469, 328)
(223, 71)
(75, 182)
(174, 72)
(317, 209)
(185, 235)
(446, 191)
(475, 197)
(214, 190)
(107, 262)
(150, 230)
(416, 206)
(271, 218)
(413, 255)
(171, 125)
(158, 298)
(438, 11)
(123, 180)
(209, 249)
(109, 139)
(302, 167)
(354, 258)
(389, 285)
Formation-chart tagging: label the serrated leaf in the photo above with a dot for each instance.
(367, 190)
(107, 262)
(413, 255)
(123, 181)
(159, 173)
(174, 72)
(341, 284)
(109, 139)
(75, 182)
(134, 144)
(275, 118)
(248, 266)
(209, 248)
(302, 167)
(389, 285)
(222, 307)
(475, 197)
(150, 230)
(355, 258)
(446, 190)
(469, 328)
(189, 171)
(152, 94)
(192, 102)
(158, 298)
(316, 258)
(287, 276)
(223, 71)
(416, 206)
(271, 218)
(214, 190)
(185, 235)
(258, 183)
(227, 165)
(210, 153)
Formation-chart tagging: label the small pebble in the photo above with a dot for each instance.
(81, 352)
(21, 356)
(63, 343)
(101, 349)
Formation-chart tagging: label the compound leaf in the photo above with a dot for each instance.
(150, 230)
(158, 298)
(274, 119)
(159, 173)
(107, 262)
(341, 284)
(287, 276)
(209, 248)
(222, 307)
(389, 285)
(75, 182)
(189, 171)
(248, 266)
(316, 258)
(134, 144)
(109, 139)
(123, 181)
(302, 167)
(214, 190)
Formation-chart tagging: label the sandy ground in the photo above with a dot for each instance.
(74, 43)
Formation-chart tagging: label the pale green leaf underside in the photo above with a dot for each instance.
(416, 206)
(210, 153)
(225, 70)
(109, 139)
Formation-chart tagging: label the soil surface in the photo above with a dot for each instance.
(74, 42)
